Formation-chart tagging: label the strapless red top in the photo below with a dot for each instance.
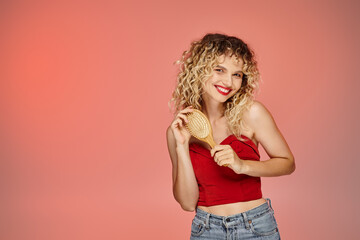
(221, 185)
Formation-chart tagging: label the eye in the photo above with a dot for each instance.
(218, 70)
(238, 75)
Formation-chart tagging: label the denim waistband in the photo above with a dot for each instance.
(243, 218)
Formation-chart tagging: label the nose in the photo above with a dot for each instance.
(227, 81)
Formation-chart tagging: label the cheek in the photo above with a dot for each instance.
(208, 84)
(238, 86)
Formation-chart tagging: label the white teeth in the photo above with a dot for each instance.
(222, 90)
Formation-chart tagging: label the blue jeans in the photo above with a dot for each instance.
(257, 223)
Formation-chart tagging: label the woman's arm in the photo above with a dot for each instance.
(185, 187)
(266, 132)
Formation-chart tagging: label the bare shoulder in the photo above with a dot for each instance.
(259, 119)
(266, 131)
(257, 112)
(253, 116)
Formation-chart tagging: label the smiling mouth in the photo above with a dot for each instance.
(223, 91)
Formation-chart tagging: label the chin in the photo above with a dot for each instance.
(223, 100)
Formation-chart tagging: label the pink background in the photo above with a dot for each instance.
(83, 113)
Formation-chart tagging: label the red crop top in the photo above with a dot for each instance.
(221, 185)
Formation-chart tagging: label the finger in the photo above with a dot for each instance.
(186, 110)
(225, 162)
(189, 107)
(178, 123)
(220, 161)
(227, 150)
(183, 117)
(184, 113)
(219, 158)
(227, 156)
(223, 153)
(217, 148)
(175, 124)
(221, 147)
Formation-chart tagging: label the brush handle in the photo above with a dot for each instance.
(209, 140)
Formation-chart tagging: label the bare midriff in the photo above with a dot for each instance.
(233, 208)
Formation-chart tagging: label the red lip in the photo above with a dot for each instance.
(223, 87)
(221, 91)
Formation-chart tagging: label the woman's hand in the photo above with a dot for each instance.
(182, 135)
(224, 155)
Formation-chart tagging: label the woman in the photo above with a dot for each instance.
(219, 76)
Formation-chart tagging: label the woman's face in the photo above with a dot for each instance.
(225, 80)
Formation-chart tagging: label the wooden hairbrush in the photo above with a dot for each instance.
(200, 127)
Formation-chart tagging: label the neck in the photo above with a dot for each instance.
(213, 110)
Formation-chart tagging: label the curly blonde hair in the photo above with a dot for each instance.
(196, 66)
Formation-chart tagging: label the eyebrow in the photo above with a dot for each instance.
(219, 66)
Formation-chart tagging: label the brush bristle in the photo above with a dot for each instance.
(198, 125)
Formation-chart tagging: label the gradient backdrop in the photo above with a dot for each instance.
(84, 87)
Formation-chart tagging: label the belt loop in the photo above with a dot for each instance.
(224, 221)
(207, 225)
(246, 221)
(269, 202)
